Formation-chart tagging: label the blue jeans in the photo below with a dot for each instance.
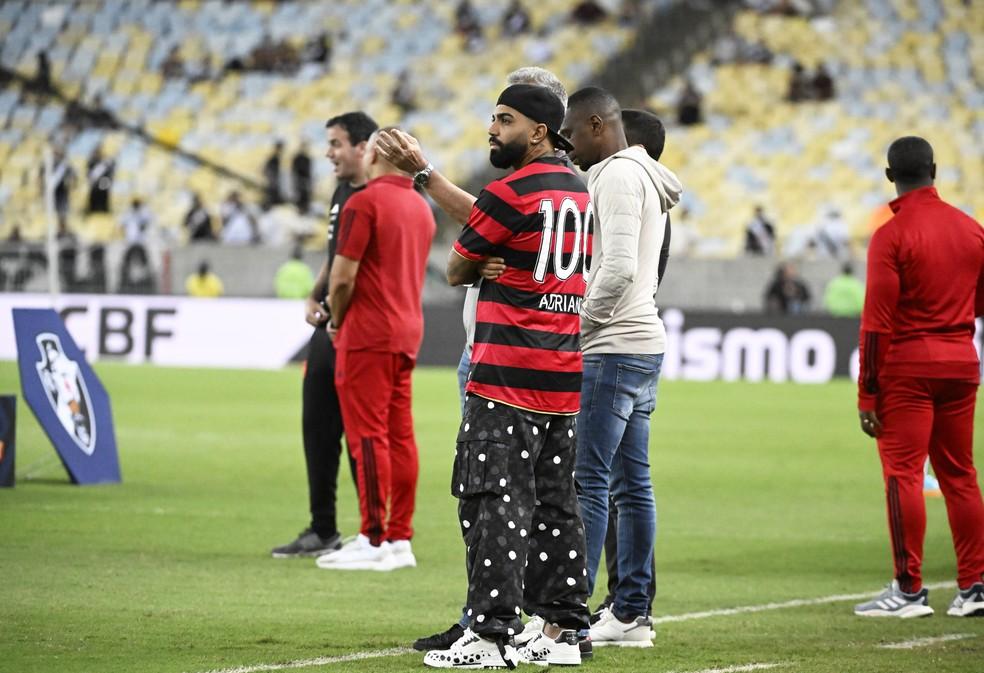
(464, 364)
(618, 395)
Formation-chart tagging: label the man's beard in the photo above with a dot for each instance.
(506, 155)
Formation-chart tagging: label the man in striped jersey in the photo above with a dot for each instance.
(515, 449)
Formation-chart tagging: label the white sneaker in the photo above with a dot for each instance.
(359, 554)
(542, 650)
(473, 651)
(610, 631)
(530, 631)
(402, 554)
(968, 602)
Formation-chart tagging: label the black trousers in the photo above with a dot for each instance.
(611, 558)
(513, 477)
(321, 423)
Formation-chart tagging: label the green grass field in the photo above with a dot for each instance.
(765, 493)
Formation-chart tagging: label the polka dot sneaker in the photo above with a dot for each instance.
(543, 650)
(533, 628)
(472, 651)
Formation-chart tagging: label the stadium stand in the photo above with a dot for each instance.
(187, 76)
(898, 66)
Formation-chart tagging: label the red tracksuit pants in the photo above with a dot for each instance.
(934, 417)
(374, 395)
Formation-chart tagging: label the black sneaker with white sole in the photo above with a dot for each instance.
(439, 641)
(308, 543)
(968, 602)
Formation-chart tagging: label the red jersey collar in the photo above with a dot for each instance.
(916, 194)
(398, 180)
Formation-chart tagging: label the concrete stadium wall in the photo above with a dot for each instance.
(704, 284)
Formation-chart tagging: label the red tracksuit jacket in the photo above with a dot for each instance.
(925, 287)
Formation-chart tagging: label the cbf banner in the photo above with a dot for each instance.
(8, 434)
(67, 398)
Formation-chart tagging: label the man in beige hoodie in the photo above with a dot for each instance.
(623, 340)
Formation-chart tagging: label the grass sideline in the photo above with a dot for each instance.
(765, 493)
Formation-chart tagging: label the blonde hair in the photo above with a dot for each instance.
(541, 77)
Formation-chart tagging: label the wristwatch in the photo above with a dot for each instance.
(422, 177)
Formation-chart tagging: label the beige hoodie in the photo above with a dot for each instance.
(631, 194)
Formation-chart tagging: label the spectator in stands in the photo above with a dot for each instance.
(294, 279)
(832, 238)
(204, 283)
(137, 223)
(198, 222)
(239, 225)
(516, 20)
(63, 178)
(468, 25)
(301, 178)
(800, 86)
(823, 84)
(273, 193)
(136, 274)
(466, 20)
(844, 295)
(318, 50)
(42, 79)
(588, 12)
(787, 293)
(173, 65)
(404, 94)
(100, 173)
(689, 105)
(760, 234)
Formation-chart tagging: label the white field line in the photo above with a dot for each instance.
(925, 642)
(795, 603)
(320, 661)
(740, 668)
(397, 651)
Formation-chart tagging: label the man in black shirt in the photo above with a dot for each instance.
(321, 416)
(273, 191)
(300, 176)
(198, 222)
(100, 172)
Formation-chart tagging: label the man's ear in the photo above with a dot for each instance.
(932, 171)
(597, 125)
(538, 135)
(890, 174)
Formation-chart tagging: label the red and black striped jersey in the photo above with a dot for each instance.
(527, 350)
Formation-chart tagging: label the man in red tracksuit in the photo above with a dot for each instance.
(919, 377)
(377, 324)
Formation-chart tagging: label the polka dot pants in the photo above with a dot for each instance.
(513, 477)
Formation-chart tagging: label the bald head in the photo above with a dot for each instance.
(374, 162)
(910, 164)
(593, 124)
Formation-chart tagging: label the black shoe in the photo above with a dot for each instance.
(308, 543)
(439, 641)
(596, 615)
(585, 646)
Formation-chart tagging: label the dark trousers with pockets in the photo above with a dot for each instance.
(321, 423)
(513, 477)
